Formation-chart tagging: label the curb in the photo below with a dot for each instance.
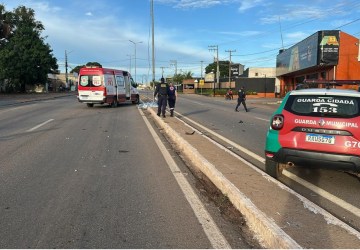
(270, 234)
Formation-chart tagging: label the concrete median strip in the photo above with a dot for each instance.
(270, 234)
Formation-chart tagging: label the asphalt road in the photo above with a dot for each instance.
(78, 177)
(56, 177)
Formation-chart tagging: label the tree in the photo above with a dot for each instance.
(188, 75)
(77, 69)
(4, 26)
(96, 64)
(89, 64)
(223, 68)
(25, 58)
(178, 78)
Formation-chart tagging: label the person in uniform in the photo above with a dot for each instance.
(241, 99)
(172, 94)
(161, 91)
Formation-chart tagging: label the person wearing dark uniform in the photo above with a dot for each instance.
(172, 94)
(161, 90)
(241, 99)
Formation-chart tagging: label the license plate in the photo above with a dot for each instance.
(326, 139)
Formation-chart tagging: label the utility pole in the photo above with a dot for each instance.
(230, 51)
(216, 48)
(174, 62)
(66, 69)
(153, 45)
(201, 69)
(162, 71)
(135, 55)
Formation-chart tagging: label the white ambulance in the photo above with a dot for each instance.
(98, 85)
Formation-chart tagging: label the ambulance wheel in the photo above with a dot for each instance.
(137, 100)
(114, 103)
(90, 105)
(273, 168)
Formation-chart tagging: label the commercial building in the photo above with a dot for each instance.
(326, 55)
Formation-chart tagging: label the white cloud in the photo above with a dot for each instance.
(88, 14)
(248, 4)
(245, 33)
(194, 4)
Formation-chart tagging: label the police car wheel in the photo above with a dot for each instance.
(273, 168)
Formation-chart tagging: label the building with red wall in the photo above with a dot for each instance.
(326, 55)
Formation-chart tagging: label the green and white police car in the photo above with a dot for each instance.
(315, 128)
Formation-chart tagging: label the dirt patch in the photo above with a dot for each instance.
(226, 208)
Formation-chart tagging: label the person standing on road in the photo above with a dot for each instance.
(172, 95)
(241, 99)
(161, 90)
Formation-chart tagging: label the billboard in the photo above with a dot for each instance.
(210, 77)
(237, 70)
(329, 47)
(321, 48)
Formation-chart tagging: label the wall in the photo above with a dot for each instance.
(189, 86)
(349, 66)
(261, 72)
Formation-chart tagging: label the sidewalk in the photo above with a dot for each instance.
(278, 216)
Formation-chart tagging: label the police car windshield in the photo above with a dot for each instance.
(331, 106)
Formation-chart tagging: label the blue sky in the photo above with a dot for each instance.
(255, 30)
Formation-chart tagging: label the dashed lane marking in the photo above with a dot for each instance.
(40, 125)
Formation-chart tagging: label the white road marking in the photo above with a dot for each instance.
(196, 102)
(213, 233)
(7, 110)
(12, 109)
(352, 209)
(38, 126)
(262, 119)
(321, 192)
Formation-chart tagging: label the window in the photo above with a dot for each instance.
(90, 81)
(318, 106)
(120, 81)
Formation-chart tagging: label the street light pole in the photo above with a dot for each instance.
(130, 63)
(216, 48)
(135, 55)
